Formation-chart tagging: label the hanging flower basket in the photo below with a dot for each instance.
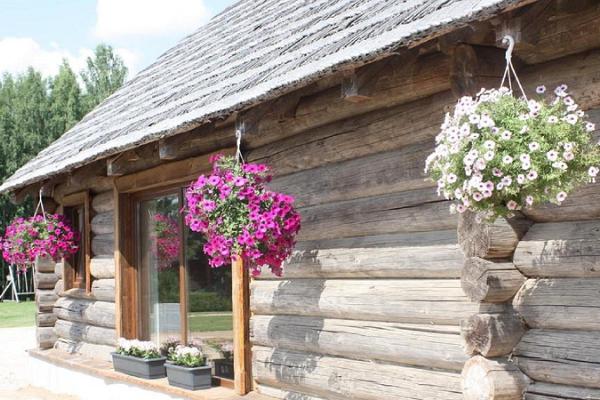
(240, 217)
(498, 153)
(38, 236)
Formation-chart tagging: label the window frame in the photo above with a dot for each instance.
(70, 278)
(165, 178)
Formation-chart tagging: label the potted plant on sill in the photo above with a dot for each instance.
(224, 366)
(139, 359)
(187, 368)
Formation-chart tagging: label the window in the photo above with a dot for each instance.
(179, 297)
(77, 266)
(165, 287)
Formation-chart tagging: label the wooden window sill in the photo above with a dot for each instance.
(104, 370)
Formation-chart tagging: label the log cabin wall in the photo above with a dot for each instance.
(85, 323)
(370, 306)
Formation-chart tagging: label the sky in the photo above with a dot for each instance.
(41, 33)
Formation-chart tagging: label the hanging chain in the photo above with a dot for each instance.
(40, 205)
(238, 141)
(510, 69)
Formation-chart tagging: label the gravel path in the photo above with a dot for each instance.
(15, 382)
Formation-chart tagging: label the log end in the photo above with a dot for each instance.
(492, 335)
(485, 379)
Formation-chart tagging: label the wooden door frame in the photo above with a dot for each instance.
(127, 190)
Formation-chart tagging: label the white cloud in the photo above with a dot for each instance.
(18, 53)
(118, 18)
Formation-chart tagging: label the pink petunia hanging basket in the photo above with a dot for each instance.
(240, 217)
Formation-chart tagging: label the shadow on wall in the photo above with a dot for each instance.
(291, 360)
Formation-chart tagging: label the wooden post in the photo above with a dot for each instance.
(242, 364)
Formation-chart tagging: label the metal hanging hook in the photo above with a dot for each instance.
(510, 41)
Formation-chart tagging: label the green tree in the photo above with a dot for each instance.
(104, 74)
(65, 102)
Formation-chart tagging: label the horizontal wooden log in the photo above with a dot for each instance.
(45, 319)
(45, 337)
(98, 313)
(428, 73)
(81, 332)
(418, 301)
(420, 345)
(281, 394)
(45, 264)
(490, 282)
(182, 171)
(556, 32)
(94, 183)
(103, 202)
(498, 239)
(492, 335)
(339, 378)
(562, 357)
(562, 303)
(102, 267)
(45, 299)
(566, 249)
(103, 223)
(94, 351)
(380, 262)
(548, 391)
(486, 379)
(45, 280)
(386, 129)
(104, 289)
(103, 245)
(377, 174)
(582, 204)
(412, 211)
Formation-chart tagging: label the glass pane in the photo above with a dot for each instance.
(76, 218)
(159, 268)
(210, 321)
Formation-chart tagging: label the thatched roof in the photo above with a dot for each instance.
(253, 51)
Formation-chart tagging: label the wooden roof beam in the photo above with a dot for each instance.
(186, 144)
(475, 67)
(131, 160)
(359, 84)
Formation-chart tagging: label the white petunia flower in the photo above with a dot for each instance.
(552, 119)
(540, 89)
(534, 146)
(552, 155)
(561, 196)
(532, 175)
(590, 127)
(529, 200)
(489, 155)
(571, 119)
(489, 144)
(506, 135)
(568, 155)
(521, 179)
(507, 159)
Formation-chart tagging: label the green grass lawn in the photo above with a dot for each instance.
(206, 322)
(14, 315)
